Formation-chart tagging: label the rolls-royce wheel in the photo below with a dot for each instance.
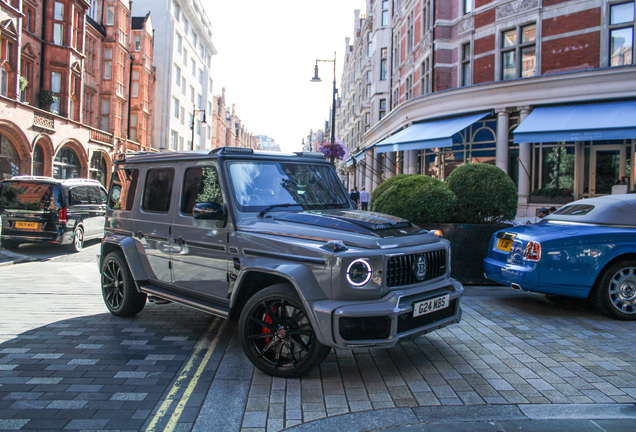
(615, 294)
(118, 287)
(277, 335)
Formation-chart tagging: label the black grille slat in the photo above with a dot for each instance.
(365, 328)
(400, 268)
(408, 322)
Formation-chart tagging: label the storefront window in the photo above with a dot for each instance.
(38, 161)
(475, 144)
(66, 164)
(554, 167)
(98, 168)
(9, 160)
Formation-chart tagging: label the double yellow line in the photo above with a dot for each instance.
(184, 380)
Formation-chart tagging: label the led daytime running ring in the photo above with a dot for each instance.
(366, 279)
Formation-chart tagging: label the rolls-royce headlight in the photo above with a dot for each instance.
(359, 272)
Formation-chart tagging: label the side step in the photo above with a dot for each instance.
(195, 302)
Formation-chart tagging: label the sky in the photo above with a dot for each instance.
(266, 56)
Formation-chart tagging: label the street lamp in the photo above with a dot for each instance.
(194, 114)
(316, 78)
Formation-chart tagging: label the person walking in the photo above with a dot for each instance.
(364, 199)
(355, 196)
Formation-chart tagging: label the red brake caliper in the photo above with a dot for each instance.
(268, 320)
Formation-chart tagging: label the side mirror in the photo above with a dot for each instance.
(211, 211)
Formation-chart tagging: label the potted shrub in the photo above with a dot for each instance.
(486, 202)
(46, 99)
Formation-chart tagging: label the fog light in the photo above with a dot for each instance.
(359, 272)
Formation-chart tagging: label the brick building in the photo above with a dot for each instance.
(545, 90)
(236, 135)
(57, 87)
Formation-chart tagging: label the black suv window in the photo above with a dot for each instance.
(94, 195)
(78, 196)
(122, 189)
(28, 195)
(158, 190)
(200, 185)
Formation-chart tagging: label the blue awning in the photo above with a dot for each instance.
(429, 134)
(348, 162)
(594, 122)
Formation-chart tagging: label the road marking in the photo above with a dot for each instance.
(182, 381)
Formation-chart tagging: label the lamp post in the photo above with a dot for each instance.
(316, 78)
(194, 114)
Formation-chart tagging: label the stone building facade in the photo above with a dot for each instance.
(479, 69)
(53, 85)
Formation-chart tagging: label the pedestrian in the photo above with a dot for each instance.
(551, 210)
(542, 212)
(364, 199)
(355, 196)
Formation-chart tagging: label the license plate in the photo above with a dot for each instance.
(432, 305)
(27, 225)
(504, 245)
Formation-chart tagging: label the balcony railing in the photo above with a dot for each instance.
(101, 137)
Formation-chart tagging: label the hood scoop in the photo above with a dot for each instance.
(352, 220)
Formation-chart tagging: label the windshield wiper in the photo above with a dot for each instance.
(273, 206)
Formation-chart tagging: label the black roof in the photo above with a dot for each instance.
(137, 23)
(142, 157)
(100, 28)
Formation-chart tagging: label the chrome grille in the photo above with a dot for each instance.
(400, 272)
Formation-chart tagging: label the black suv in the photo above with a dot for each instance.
(47, 210)
(272, 239)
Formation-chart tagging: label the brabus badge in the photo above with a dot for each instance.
(419, 268)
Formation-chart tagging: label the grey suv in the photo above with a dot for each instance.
(273, 239)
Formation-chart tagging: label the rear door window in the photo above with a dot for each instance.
(78, 196)
(200, 185)
(32, 196)
(123, 188)
(158, 190)
(94, 196)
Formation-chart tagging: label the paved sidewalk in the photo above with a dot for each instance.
(8, 257)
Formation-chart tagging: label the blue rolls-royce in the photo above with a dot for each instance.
(585, 249)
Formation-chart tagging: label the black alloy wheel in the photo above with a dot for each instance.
(615, 293)
(118, 287)
(276, 334)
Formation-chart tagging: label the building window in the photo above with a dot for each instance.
(467, 6)
(369, 44)
(385, 13)
(135, 84)
(425, 81)
(175, 104)
(201, 77)
(408, 88)
(56, 88)
(174, 140)
(183, 86)
(88, 108)
(185, 57)
(192, 95)
(396, 97)
(110, 15)
(426, 18)
(177, 11)
(622, 34)
(177, 75)
(368, 87)
(105, 114)
(466, 75)
(133, 127)
(4, 81)
(179, 43)
(519, 52)
(410, 39)
(194, 68)
(76, 41)
(182, 115)
(108, 64)
(383, 52)
(396, 51)
(137, 42)
(58, 23)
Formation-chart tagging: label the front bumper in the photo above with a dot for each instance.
(382, 323)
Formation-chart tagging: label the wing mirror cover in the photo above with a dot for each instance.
(210, 211)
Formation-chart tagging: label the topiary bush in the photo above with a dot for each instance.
(485, 194)
(385, 185)
(420, 199)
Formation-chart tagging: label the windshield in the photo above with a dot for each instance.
(258, 185)
(32, 196)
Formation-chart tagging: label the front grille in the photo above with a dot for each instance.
(365, 328)
(407, 322)
(400, 272)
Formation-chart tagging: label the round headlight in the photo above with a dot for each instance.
(358, 272)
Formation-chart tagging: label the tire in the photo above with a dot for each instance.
(276, 333)
(118, 287)
(615, 293)
(78, 240)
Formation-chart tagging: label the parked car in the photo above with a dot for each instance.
(47, 210)
(272, 239)
(585, 249)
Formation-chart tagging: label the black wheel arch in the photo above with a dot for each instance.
(251, 282)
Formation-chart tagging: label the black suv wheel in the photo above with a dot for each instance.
(118, 287)
(276, 333)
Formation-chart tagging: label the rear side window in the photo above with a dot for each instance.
(158, 189)
(32, 196)
(94, 195)
(575, 210)
(78, 196)
(123, 188)
(200, 185)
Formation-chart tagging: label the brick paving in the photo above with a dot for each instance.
(67, 364)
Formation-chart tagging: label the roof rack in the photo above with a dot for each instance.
(317, 155)
(232, 150)
(31, 177)
(121, 157)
